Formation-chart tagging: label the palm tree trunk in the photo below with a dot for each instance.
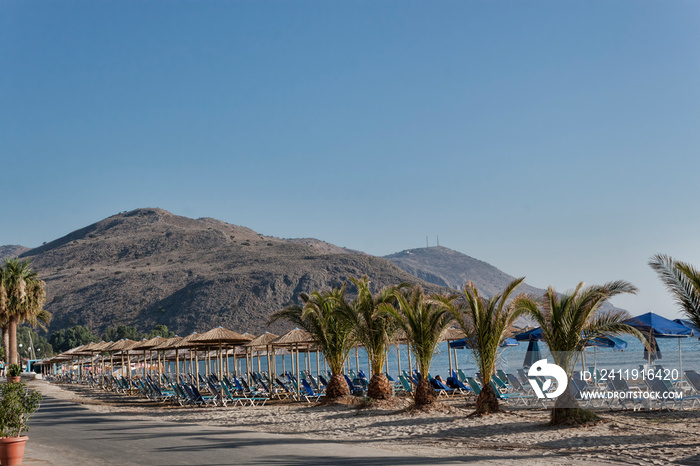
(6, 341)
(337, 388)
(566, 411)
(425, 395)
(487, 401)
(380, 388)
(13, 357)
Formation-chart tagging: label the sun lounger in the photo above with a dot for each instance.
(503, 377)
(474, 385)
(664, 394)
(693, 379)
(406, 384)
(456, 384)
(286, 391)
(353, 389)
(308, 392)
(461, 375)
(323, 380)
(440, 388)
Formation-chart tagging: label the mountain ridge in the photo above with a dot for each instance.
(148, 267)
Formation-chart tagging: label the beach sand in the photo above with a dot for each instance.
(624, 437)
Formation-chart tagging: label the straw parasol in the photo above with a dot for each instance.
(97, 347)
(294, 340)
(165, 346)
(122, 346)
(221, 336)
(452, 334)
(145, 345)
(263, 341)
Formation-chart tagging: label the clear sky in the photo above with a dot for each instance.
(553, 139)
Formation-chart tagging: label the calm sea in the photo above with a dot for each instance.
(512, 358)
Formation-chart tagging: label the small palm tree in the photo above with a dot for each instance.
(21, 300)
(318, 315)
(374, 329)
(486, 323)
(424, 321)
(683, 281)
(568, 322)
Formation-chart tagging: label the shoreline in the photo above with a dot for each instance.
(624, 436)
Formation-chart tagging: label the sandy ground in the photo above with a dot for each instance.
(625, 437)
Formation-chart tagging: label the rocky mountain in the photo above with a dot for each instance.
(449, 268)
(10, 251)
(148, 267)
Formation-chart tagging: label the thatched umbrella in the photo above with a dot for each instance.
(187, 343)
(165, 346)
(221, 336)
(94, 348)
(400, 337)
(73, 353)
(294, 340)
(147, 345)
(123, 346)
(263, 341)
(452, 334)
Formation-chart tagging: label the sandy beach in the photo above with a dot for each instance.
(624, 437)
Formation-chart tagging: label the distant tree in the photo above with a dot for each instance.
(22, 296)
(425, 322)
(375, 329)
(486, 323)
(333, 333)
(65, 339)
(570, 320)
(160, 330)
(123, 332)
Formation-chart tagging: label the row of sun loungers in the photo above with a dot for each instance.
(512, 389)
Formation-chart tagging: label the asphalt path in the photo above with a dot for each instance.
(66, 433)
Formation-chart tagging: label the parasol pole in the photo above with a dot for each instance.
(398, 356)
(449, 358)
(196, 368)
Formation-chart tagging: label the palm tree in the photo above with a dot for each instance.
(425, 322)
(374, 329)
(334, 334)
(4, 317)
(486, 323)
(568, 322)
(22, 301)
(683, 281)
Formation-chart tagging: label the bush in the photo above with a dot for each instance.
(16, 407)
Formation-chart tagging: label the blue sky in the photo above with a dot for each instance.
(554, 139)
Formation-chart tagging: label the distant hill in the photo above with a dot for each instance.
(10, 251)
(447, 267)
(148, 267)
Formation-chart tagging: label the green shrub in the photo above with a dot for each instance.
(16, 407)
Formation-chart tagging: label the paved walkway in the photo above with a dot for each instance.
(65, 433)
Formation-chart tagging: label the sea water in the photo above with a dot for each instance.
(510, 358)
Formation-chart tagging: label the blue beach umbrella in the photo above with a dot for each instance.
(653, 326)
(463, 343)
(690, 325)
(614, 343)
(530, 335)
(532, 355)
